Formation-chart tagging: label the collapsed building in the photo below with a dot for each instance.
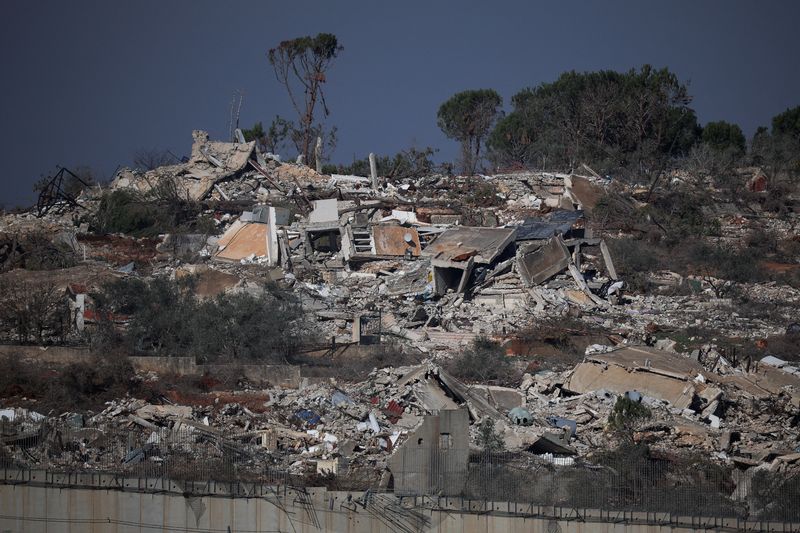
(372, 259)
(429, 264)
(414, 429)
(359, 231)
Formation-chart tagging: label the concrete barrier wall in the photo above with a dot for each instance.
(283, 375)
(183, 366)
(80, 354)
(40, 501)
(50, 354)
(35, 509)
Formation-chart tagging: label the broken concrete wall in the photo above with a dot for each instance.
(502, 398)
(210, 162)
(433, 460)
(447, 277)
(243, 239)
(181, 366)
(456, 245)
(476, 401)
(592, 376)
(325, 238)
(324, 211)
(286, 376)
(396, 241)
(585, 193)
(568, 224)
(52, 354)
(539, 265)
(251, 241)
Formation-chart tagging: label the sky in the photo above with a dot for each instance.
(92, 82)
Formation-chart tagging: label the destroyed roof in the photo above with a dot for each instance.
(655, 373)
(652, 359)
(557, 222)
(459, 244)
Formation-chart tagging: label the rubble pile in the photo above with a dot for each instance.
(209, 163)
(372, 259)
(735, 417)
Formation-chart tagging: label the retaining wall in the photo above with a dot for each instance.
(283, 375)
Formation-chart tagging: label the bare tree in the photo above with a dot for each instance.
(300, 65)
(151, 158)
(32, 312)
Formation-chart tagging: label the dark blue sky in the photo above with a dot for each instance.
(90, 83)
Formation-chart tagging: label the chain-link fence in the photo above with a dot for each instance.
(688, 486)
(625, 486)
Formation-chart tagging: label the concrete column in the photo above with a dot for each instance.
(318, 154)
(373, 170)
(357, 329)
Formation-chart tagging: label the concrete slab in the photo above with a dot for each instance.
(457, 245)
(539, 265)
(324, 211)
(244, 241)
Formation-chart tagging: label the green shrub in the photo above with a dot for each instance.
(75, 386)
(489, 439)
(167, 318)
(35, 250)
(86, 384)
(626, 416)
(160, 210)
(681, 215)
(614, 211)
(635, 255)
(635, 258)
(724, 262)
(124, 211)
